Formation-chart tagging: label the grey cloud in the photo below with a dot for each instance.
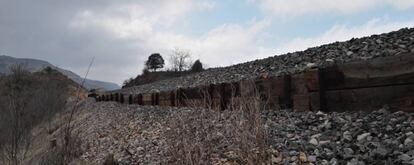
(55, 31)
(40, 29)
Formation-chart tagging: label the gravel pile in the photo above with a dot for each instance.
(131, 134)
(387, 44)
(153, 135)
(352, 138)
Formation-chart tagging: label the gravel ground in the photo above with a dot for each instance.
(167, 135)
(387, 44)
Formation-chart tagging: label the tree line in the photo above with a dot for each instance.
(180, 60)
(181, 64)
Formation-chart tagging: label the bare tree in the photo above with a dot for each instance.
(15, 123)
(26, 99)
(180, 59)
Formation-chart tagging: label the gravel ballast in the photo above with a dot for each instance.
(387, 44)
(148, 135)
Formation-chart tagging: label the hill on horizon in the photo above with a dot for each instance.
(34, 65)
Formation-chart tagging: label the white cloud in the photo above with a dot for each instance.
(134, 19)
(145, 26)
(343, 33)
(233, 44)
(206, 4)
(221, 46)
(303, 7)
(148, 32)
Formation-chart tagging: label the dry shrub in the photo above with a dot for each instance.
(26, 100)
(206, 136)
(61, 153)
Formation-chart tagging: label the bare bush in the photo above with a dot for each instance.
(180, 60)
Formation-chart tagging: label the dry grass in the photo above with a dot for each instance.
(207, 136)
(59, 153)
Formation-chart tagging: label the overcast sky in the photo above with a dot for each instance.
(121, 34)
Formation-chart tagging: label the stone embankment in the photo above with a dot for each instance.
(387, 44)
(136, 134)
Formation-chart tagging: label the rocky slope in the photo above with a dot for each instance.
(135, 134)
(35, 65)
(387, 44)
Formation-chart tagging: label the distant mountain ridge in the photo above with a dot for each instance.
(36, 65)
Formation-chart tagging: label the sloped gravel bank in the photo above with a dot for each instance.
(155, 135)
(387, 44)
